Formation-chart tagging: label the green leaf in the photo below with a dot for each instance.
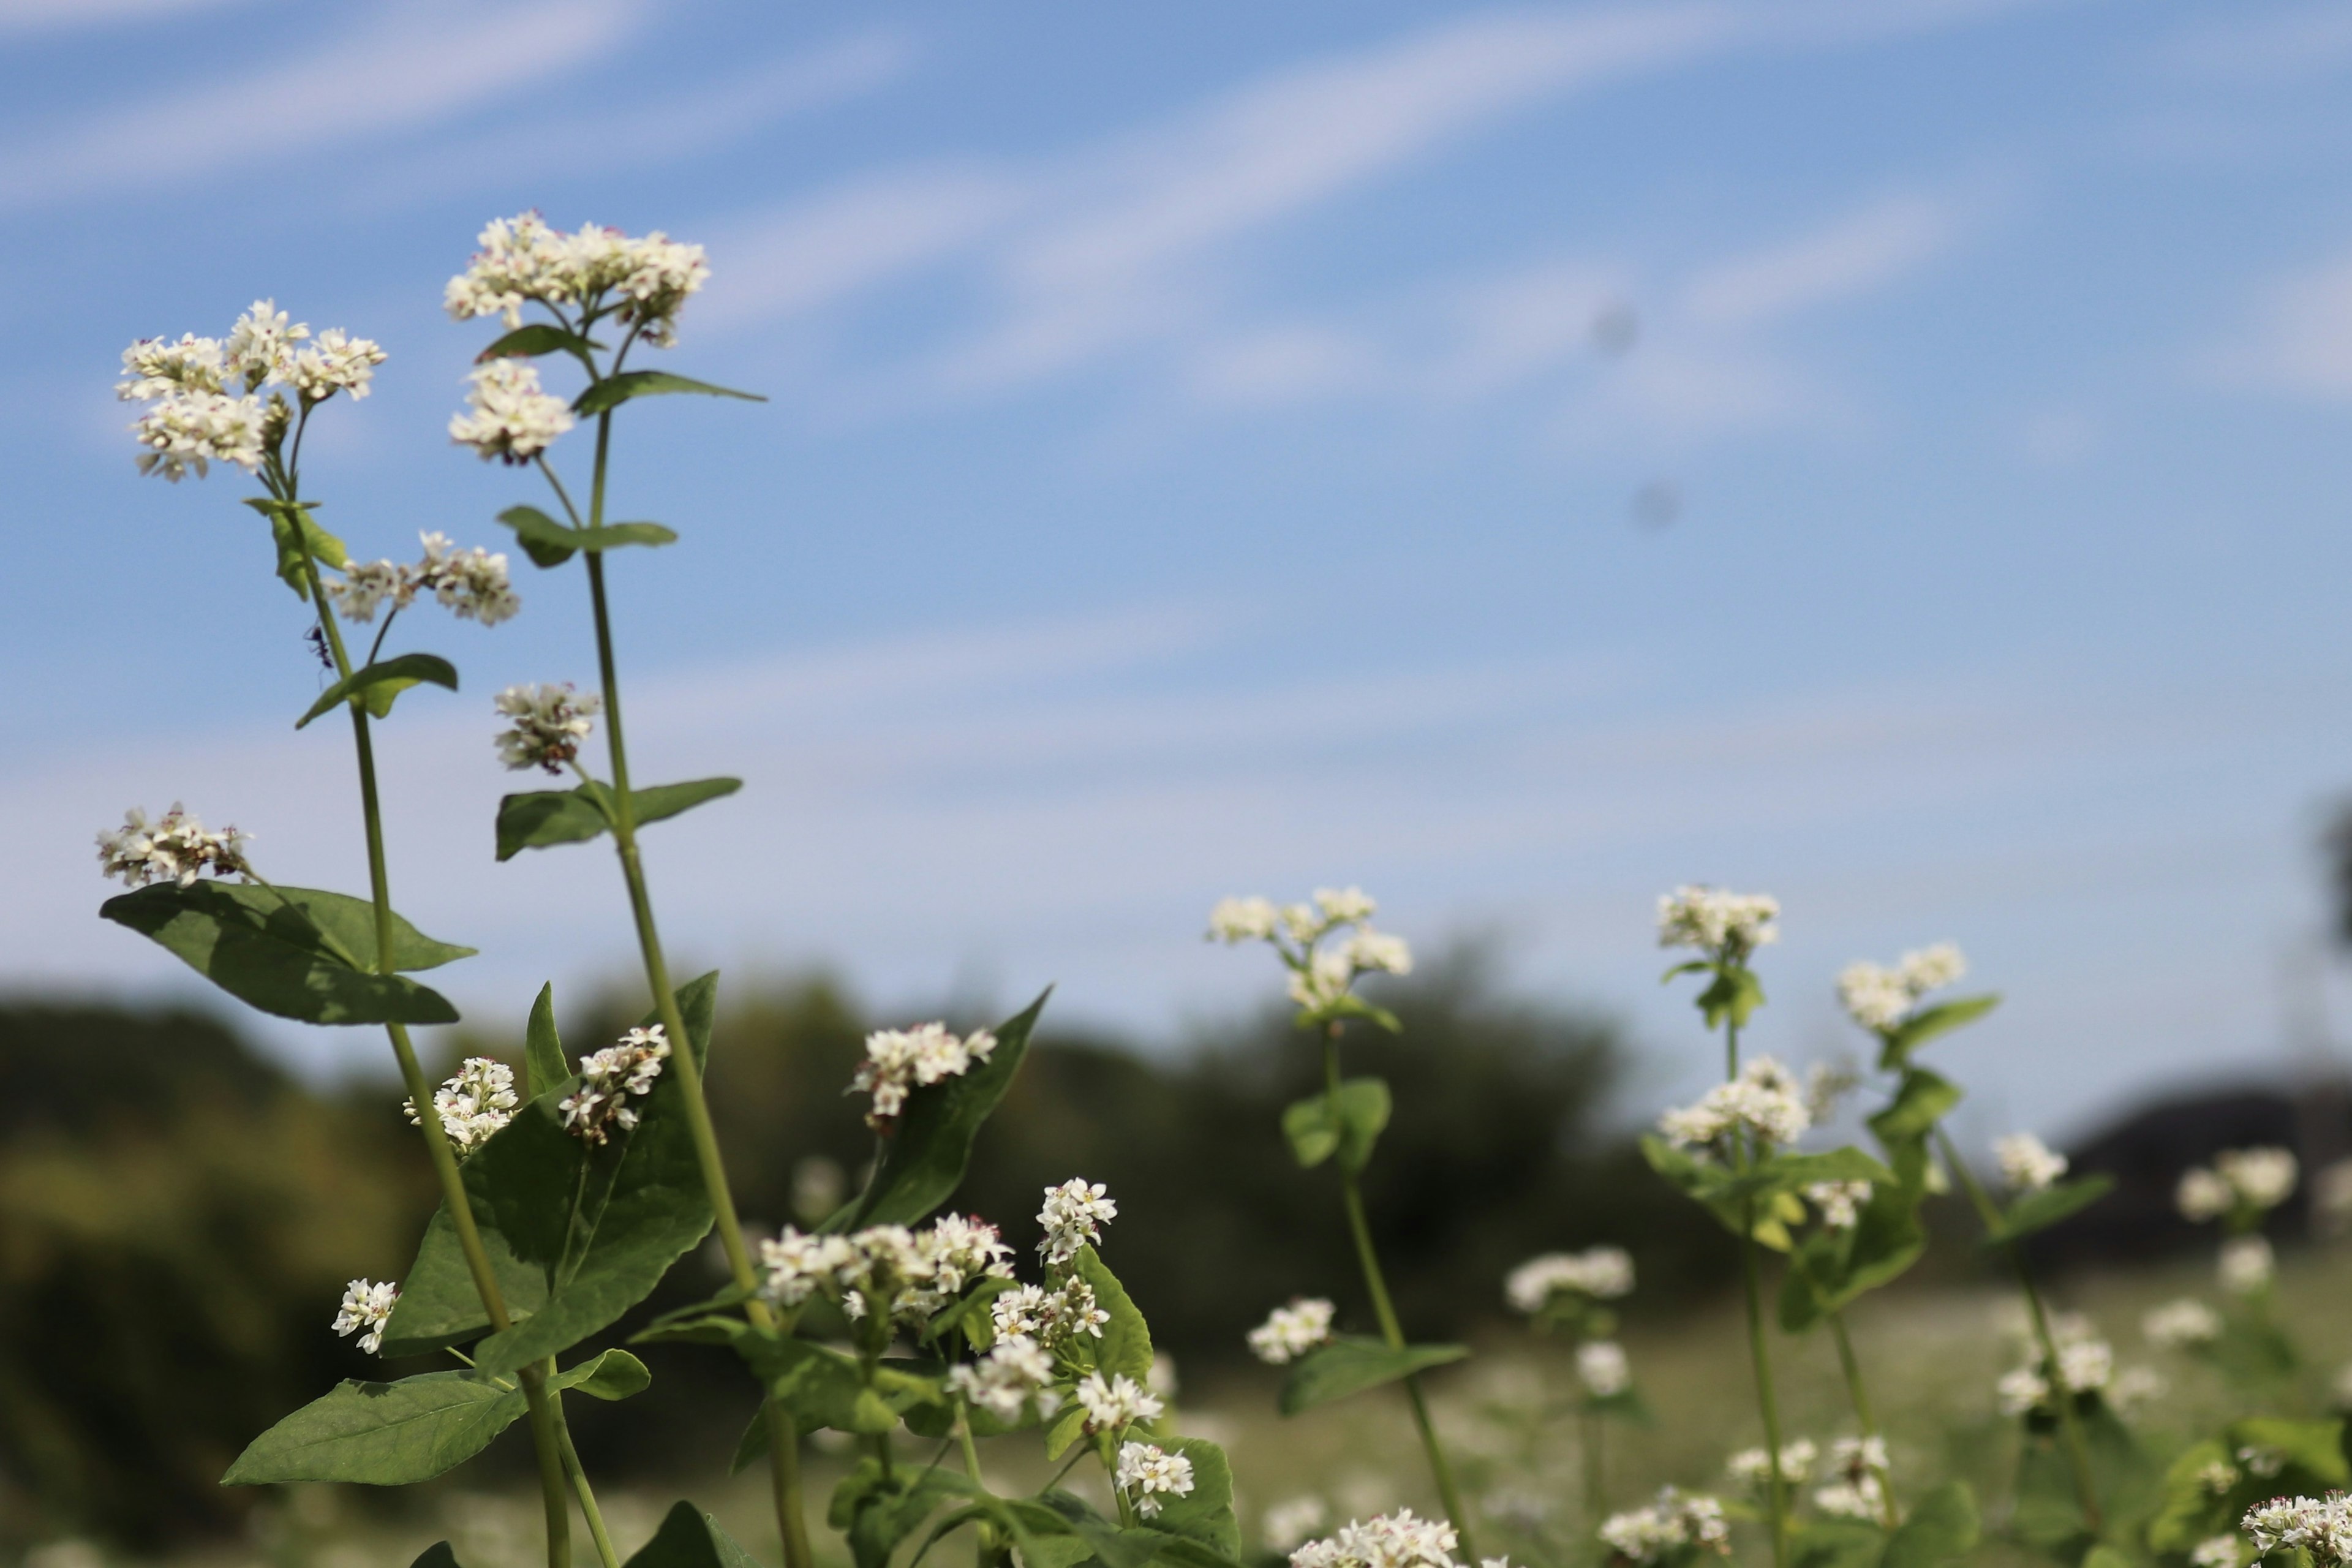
(1735, 994)
(926, 1157)
(541, 818)
(1929, 1023)
(294, 952)
(538, 337)
(878, 1512)
(2311, 1461)
(1830, 1268)
(437, 1555)
(1352, 1363)
(1941, 1529)
(616, 390)
(2041, 1210)
(290, 523)
(1836, 1543)
(381, 683)
(547, 542)
(2106, 1556)
(609, 1374)
(1206, 1513)
(544, 1065)
(1921, 1100)
(1126, 1343)
(382, 1434)
(1793, 1172)
(689, 1538)
(1349, 1124)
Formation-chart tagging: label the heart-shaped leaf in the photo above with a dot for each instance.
(384, 681)
(539, 819)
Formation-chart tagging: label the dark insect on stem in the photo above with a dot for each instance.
(316, 637)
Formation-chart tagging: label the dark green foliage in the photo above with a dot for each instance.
(538, 819)
(383, 682)
(1352, 1363)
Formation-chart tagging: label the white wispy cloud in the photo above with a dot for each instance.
(1852, 256)
(63, 16)
(2298, 338)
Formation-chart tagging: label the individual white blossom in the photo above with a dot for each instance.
(366, 1307)
(260, 347)
(2321, 1526)
(1753, 1467)
(1604, 1273)
(898, 1060)
(1856, 1480)
(1148, 1475)
(1602, 1368)
(1074, 1215)
(1766, 1100)
(2217, 1551)
(1244, 920)
(184, 431)
(1840, 1202)
(2021, 1390)
(1290, 1521)
(336, 361)
(642, 280)
(508, 415)
(1932, 968)
(1050, 1317)
(2247, 1265)
(2203, 1193)
(175, 848)
(610, 1078)
(2264, 1178)
(2085, 1365)
(550, 722)
(1385, 1541)
(1014, 1374)
(1290, 1331)
(2178, 1324)
(1725, 926)
(1116, 1403)
(1676, 1520)
(479, 1100)
(2027, 1164)
(2134, 1386)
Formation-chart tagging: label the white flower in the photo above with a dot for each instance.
(550, 722)
(2217, 1552)
(1288, 1523)
(259, 347)
(191, 430)
(2247, 1265)
(1754, 1466)
(365, 586)
(2321, 1526)
(1645, 1535)
(471, 584)
(2202, 1195)
(1147, 1474)
(797, 1266)
(2180, 1323)
(176, 849)
(1604, 1273)
(1074, 1215)
(1371, 952)
(337, 362)
(2085, 1365)
(1726, 926)
(2263, 1178)
(472, 1105)
(1014, 1373)
(642, 281)
(1863, 1498)
(155, 367)
(509, 416)
(1345, 906)
(1385, 1541)
(1766, 1098)
(2027, 1164)
(1289, 1332)
(899, 1060)
(1053, 1317)
(1840, 1202)
(1115, 1404)
(610, 1078)
(365, 1309)
(1243, 919)
(1932, 968)
(1602, 1367)
(1878, 997)
(1858, 1457)
(2021, 1390)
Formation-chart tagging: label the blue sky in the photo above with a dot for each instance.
(1888, 454)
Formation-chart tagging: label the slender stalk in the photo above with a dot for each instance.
(1375, 1285)
(1888, 1512)
(2070, 1424)
(1596, 1504)
(579, 1474)
(1751, 1281)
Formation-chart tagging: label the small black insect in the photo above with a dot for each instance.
(316, 637)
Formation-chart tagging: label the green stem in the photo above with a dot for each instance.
(1596, 1504)
(1376, 1286)
(1852, 1367)
(986, 1551)
(1750, 1279)
(579, 1474)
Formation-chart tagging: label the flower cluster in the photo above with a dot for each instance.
(1116, 1403)
(202, 392)
(508, 414)
(2217, 1551)
(550, 722)
(1289, 1332)
(1727, 927)
(2321, 1526)
(1074, 1215)
(1602, 1368)
(472, 1105)
(1147, 1474)
(1839, 1203)
(610, 1078)
(2247, 1265)
(1766, 1100)
(886, 1270)
(1054, 1317)
(1753, 1467)
(1676, 1521)
(1291, 1521)
(1601, 1273)
(1879, 997)
(2242, 1181)
(1385, 1541)
(1319, 976)
(473, 583)
(2180, 1323)
(642, 280)
(366, 1307)
(2085, 1363)
(176, 849)
(1855, 1478)
(193, 430)
(1014, 1375)
(899, 1060)
(2027, 1163)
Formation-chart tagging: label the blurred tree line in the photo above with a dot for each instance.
(177, 1217)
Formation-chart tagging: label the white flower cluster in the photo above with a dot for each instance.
(1601, 1366)
(1725, 926)
(2027, 1163)
(176, 849)
(1074, 1215)
(2247, 1265)
(472, 1105)
(1675, 1520)
(899, 1060)
(1116, 1403)
(1856, 1480)
(1319, 976)
(508, 414)
(550, 722)
(2217, 1551)
(1016, 1373)
(1385, 1541)
(643, 280)
(367, 1306)
(1289, 1332)
(2321, 1526)
(2085, 1363)
(1840, 1202)
(1766, 1100)
(906, 1275)
(1052, 1317)
(1148, 1474)
(1753, 1467)
(1879, 997)
(202, 391)
(1604, 1273)
(610, 1078)
(193, 430)
(2178, 1324)
(472, 584)
(1290, 1521)
(2255, 1179)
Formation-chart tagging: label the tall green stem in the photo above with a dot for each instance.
(1851, 1364)
(1751, 1281)
(1596, 1475)
(1376, 1286)
(579, 1474)
(2070, 1424)
(544, 1416)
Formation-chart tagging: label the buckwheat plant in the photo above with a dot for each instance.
(1327, 944)
(1567, 1293)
